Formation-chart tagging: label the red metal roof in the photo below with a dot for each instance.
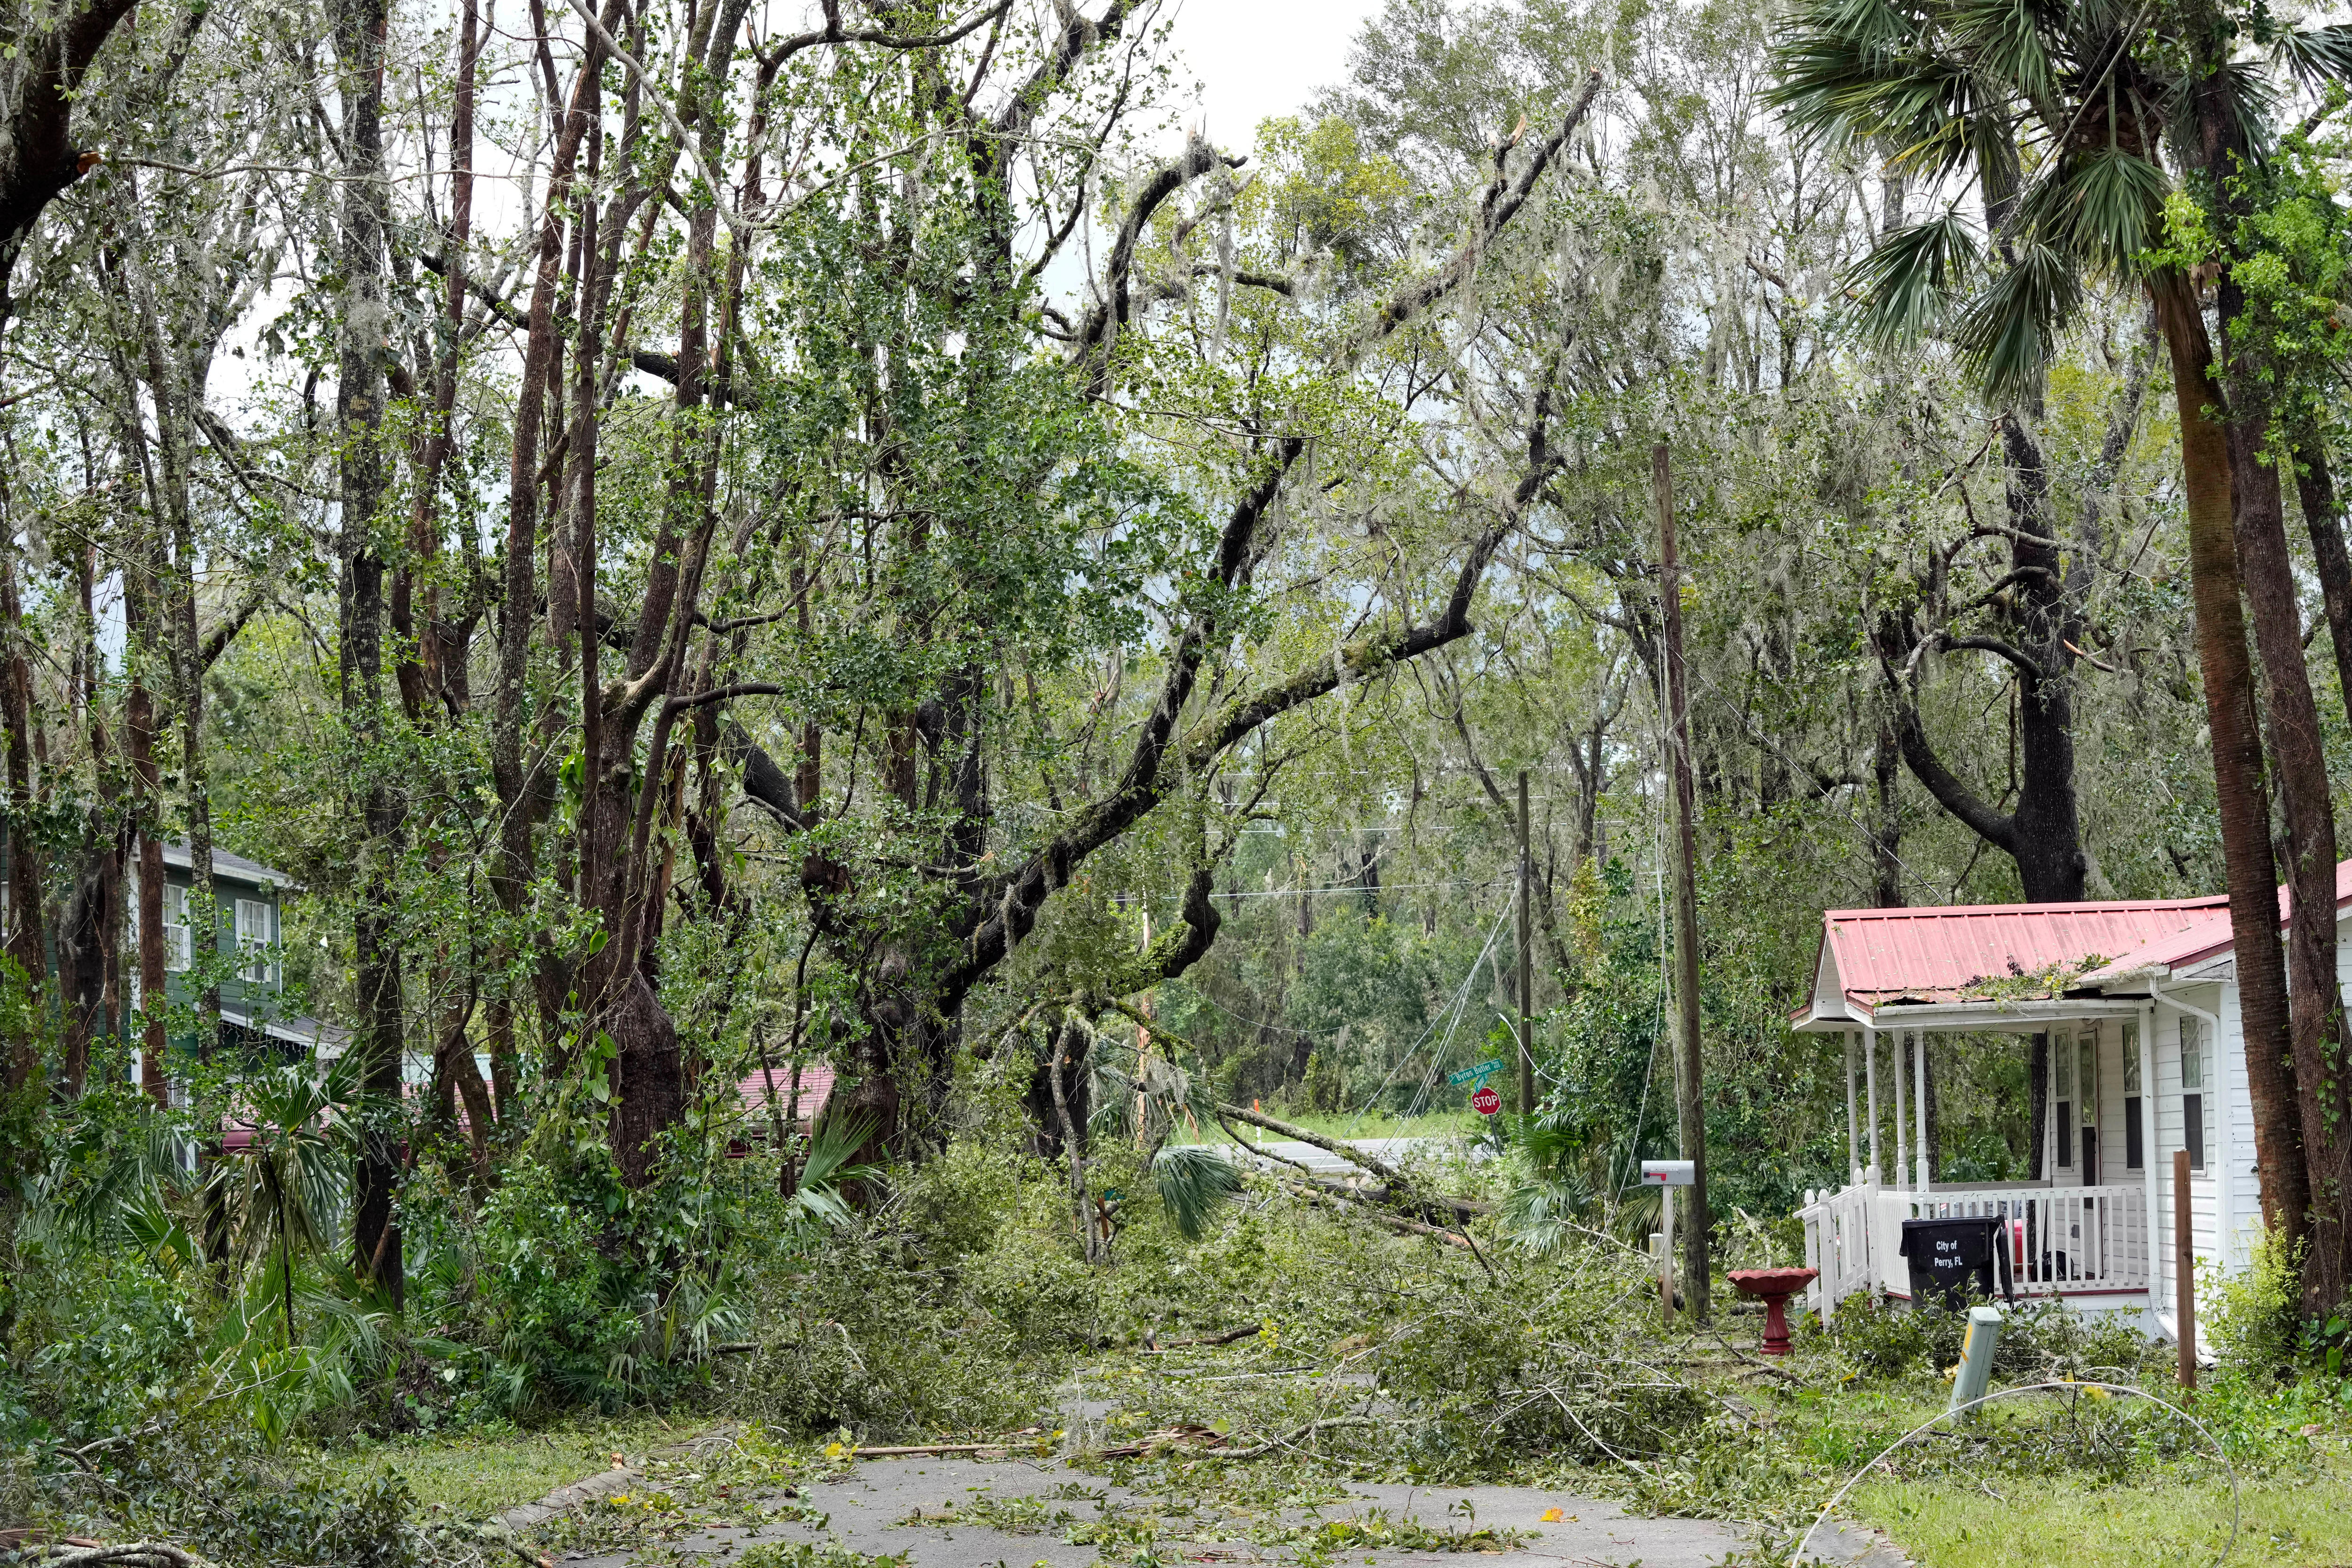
(816, 1087)
(1958, 954)
(2207, 938)
(1966, 953)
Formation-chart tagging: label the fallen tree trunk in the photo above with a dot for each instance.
(1353, 1155)
(1223, 1337)
(1346, 1202)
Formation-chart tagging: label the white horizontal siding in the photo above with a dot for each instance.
(2204, 1186)
(2235, 1135)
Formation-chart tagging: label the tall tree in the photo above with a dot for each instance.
(49, 50)
(2228, 161)
(2089, 87)
(360, 392)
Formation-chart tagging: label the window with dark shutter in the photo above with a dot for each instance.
(2192, 1091)
(2135, 1150)
(2061, 1093)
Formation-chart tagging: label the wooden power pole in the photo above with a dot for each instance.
(1526, 967)
(1688, 1107)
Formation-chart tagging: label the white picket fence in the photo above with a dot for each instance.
(1837, 1244)
(2062, 1241)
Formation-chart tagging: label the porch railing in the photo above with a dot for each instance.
(1837, 1242)
(2062, 1241)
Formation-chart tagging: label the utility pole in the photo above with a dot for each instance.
(1527, 968)
(1687, 1102)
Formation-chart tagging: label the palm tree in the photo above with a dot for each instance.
(291, 1171)
(2059, 116)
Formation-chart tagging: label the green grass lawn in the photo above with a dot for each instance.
(2298, 1522)
(476, 1476)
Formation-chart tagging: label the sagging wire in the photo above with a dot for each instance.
(1855, 1479)
(1294, 1032)
(1658, 1018)
(1454, 1012)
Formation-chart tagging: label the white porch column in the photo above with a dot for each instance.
(2050, 1107)
(1902, 1116)
(1853, 1131)
(2156, 1252)
(1870, 1073)
(1919, 1098)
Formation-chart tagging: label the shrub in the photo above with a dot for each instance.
(560, 1313)
(2251, 1318)
(1882, 1339)
(362, 1526)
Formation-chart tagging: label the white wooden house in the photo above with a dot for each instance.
(2139, 1002)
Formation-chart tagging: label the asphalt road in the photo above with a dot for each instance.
(1283, 1152)
(905, 1507)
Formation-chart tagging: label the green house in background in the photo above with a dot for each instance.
(250, 934)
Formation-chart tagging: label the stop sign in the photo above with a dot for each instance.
(1486, 1102)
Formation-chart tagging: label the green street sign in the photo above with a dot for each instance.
(1478, 1074)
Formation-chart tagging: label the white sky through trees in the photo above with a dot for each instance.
(1260, 57)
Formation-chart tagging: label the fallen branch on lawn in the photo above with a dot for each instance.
(1224, 1337)
(129, 1554)
(1349, 1203)
(1354, 1156)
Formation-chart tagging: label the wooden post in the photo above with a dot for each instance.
(2184, 1268)
(1902, 1071)
(1667, 1255)
(1527, 968)
(1689, 1104)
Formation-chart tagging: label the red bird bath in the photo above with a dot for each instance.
(1773, 1287)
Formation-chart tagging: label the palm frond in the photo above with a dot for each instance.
(836, 1141)
(1907, 282)
(2251, 103)
(159, 1233)
(2004, 40)
(2318, 55)
(83, 1191)
(2104, 208)
(1192, 1181)
(2006, 332)
(1992, 150)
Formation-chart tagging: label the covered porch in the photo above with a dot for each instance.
(1898, 985)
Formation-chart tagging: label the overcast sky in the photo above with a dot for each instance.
(1258, 58)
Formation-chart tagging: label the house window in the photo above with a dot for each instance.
(2135, 1147)
(2062, 1095)
(176, 945)
(253, 940)
(2192, 1092)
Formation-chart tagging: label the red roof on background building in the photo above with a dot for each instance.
(816, 1087)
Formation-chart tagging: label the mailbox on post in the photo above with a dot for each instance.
(1667, 1176)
